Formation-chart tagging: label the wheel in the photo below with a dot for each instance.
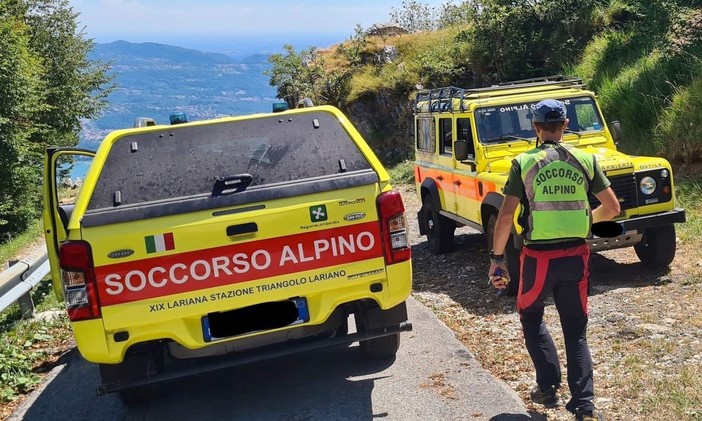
(135, 366)
(370, 318)
(657, 247)
(512, 256)
(383, 347)
(439, 228)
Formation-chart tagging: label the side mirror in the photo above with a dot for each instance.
(616, 131)
(460, 149)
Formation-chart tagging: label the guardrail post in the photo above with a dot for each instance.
(25, 302)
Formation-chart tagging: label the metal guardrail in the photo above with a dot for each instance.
(17, 282)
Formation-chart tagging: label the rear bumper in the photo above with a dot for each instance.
(260, 354)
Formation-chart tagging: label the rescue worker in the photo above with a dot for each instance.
(552, 183)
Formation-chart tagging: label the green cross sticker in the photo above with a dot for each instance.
(318, 213)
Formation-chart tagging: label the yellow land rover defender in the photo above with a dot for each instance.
(238, 239)
(465, 140)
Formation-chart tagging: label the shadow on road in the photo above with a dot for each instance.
(608, 274)
(313, 385)
(333, 383)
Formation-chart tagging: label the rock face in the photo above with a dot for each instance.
(389, 54)
(388, 29)
(385, 120)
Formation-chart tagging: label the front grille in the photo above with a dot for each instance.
(624, 187)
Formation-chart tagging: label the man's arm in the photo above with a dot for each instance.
(604, 193)
(503, 227)
(609, 208)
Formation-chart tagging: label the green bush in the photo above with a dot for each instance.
(642, 73)
(26, 344)
(402, 173)
(605, 56)
(679, 134)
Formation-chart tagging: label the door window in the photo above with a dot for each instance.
(426, 138)
(465, 132)
(446, 135)
(70, 173)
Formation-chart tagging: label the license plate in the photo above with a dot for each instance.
(256, 318)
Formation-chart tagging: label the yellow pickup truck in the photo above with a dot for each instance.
(244, 237)
(465, 140)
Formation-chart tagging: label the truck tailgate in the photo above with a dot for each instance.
(185, 266)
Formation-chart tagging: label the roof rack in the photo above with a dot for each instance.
(441, 99)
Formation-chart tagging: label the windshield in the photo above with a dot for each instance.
(498, 124)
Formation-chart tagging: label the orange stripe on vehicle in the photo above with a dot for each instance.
(468, 185)
(202, 269)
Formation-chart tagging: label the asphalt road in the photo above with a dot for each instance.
(433, 378)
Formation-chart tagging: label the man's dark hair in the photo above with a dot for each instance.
(552, 126)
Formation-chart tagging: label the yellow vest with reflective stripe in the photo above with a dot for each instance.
(556, 181)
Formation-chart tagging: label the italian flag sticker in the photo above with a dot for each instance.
(159, 243)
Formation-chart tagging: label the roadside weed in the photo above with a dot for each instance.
(403, 173)
(25, 344)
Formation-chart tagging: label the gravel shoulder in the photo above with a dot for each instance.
(645, 330)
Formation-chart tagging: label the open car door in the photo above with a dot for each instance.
(60, 193)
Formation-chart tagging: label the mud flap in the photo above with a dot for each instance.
(376, 318)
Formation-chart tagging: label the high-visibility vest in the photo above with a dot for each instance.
(556, 180)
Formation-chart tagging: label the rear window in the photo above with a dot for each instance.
(185, 161)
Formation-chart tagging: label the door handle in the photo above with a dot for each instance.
(247, 228)
(457, 182)
(440, 177)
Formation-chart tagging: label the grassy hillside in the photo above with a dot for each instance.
(643, 58)
(650, 77)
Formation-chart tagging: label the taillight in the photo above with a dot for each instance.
(393, 227)
(78, 276)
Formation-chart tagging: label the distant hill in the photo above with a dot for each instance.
(128, 52)
(256, 59)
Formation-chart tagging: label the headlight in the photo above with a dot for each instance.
(647, 185)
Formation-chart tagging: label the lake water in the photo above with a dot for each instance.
(155, 86)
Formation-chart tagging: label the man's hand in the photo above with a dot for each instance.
(498, 275)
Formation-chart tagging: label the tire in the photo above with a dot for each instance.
(135, 366)
(512, 257)
(657, 247)
(439, 228)
(380, 348)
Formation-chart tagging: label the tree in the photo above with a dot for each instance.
(76, 87)
(294, 74)
(516, 39)
(456, 14)
(48, 85)
(20, 84)
(414, 16)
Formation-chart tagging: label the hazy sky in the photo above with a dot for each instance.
(160, 20)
